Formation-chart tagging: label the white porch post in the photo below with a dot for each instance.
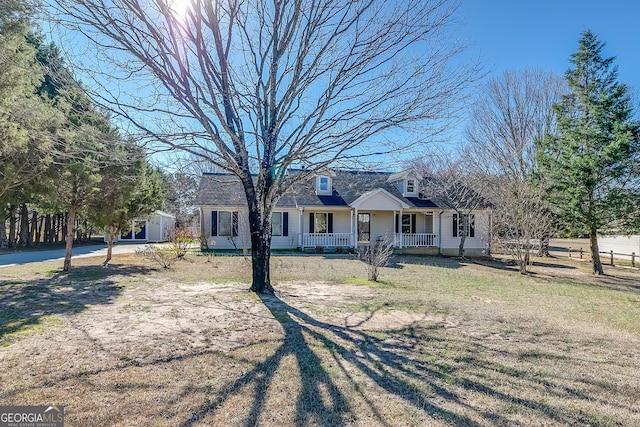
(355, 238)
(300, 228)
(440, 232)
(395, 234)
(351, 227)
(400, 228)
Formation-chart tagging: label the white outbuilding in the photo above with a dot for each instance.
(157, 227)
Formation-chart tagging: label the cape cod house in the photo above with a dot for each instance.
(343, 210)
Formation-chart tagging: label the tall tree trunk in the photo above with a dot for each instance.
(64, 225)
(39, 234)
(33, 231)
(260, 254)
(3, 229)
(111, 233)
(595, 252)
(71, 221)
(23, 235)
(464, 227)
(461, 246)
(47, 229)
(12, 226)
(56, 227)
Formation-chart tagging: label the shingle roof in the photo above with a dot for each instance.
(220, 189)
(226, 190)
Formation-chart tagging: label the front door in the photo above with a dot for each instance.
(364, 227)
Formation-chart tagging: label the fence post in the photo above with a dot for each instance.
(580, 253)
(633, 259)
(611, 257)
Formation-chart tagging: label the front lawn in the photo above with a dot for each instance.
(435, 342)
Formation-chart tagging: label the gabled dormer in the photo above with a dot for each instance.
(406, 182)
(323, 183)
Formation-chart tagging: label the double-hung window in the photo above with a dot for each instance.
(280, 224)
(407, 223)
(224, 223)
(411, 186)
(320, 222)
(324, 184)
(464, 225)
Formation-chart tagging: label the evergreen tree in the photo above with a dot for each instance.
(26, 119)
(129, 189)
(591, 160)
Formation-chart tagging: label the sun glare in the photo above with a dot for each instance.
(180, 8)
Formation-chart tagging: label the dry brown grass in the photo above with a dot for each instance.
(435, 342)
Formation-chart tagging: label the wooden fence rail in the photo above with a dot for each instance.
(610, 253)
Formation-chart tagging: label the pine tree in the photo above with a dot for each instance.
(591, 159)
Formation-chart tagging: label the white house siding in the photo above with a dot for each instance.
(380, 201)
(620, 245)
(383, 223)
(425, 221)
(290, 241)
(472, 245)
(156, 228)
(243, 239)
(341, 219)
(159, 227)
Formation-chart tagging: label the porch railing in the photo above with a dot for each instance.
(417, 240)
(311, 240)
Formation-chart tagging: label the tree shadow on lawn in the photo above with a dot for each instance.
(427, 378)
(608, 281)
(427, 260)
(27, 304)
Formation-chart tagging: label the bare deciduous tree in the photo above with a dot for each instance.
(511, 115)
(449, 182)
(521, 219)
(256, 87)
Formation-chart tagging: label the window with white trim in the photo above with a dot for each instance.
(320, 225)
(323, 186)
(324, 183)
(276, 224)
(225, 223)
(411, 186)
(464, 224)
(406, 223)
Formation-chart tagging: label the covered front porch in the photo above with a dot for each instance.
(356, 228)
(349, 240)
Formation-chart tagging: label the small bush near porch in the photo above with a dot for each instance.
(435, 342)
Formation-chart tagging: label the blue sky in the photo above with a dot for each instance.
(519, 34)
(516, 34)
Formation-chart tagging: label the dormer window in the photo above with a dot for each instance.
(411, 187)
(324, 183)
(323, 187)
